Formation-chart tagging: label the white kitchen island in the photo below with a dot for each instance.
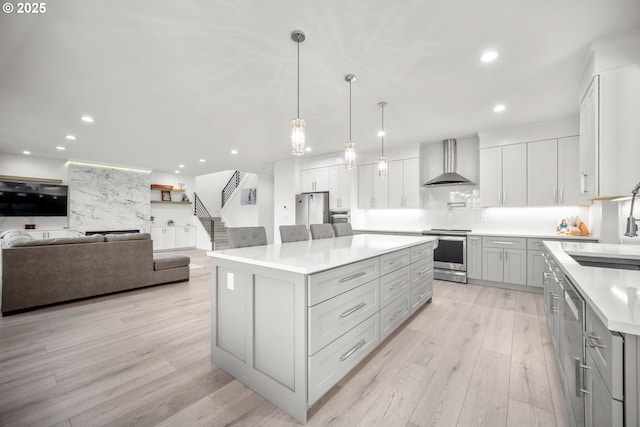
(290, 320)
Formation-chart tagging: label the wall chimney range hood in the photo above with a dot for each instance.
(450, 176)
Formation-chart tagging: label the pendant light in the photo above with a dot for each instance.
(297, 125)
(350, 146)
(383, 164)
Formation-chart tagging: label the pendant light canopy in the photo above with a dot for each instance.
(383, 164)
(350, 146)
(297, 125)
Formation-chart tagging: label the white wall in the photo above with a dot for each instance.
(285, 186)
(261, 214)
(209, 188)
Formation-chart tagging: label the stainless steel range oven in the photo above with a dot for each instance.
(450, 257)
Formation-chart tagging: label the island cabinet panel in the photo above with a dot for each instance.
(328, 284)
(393, 285)
(394, 314)
(334, 361)
(274, 352)
(420, 294)
(334, 317)
(231, 307)
(394, 260)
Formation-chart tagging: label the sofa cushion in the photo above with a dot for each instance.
(13, 238)
(95, 238)
(167, 261)
(127, 236)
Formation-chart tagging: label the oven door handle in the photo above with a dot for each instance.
(453, 238)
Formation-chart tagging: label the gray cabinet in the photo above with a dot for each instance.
(535, 268)
(600, 408)
(503, 175)
(504, 260)
(474, 257)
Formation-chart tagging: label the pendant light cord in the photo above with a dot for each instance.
(298, 43)
(350, 109)
(382, 129)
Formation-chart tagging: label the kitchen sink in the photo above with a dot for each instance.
(617, 263)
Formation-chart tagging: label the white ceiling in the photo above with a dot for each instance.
(171, 82)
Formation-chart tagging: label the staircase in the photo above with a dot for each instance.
(214, 226)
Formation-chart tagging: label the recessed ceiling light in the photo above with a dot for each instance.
(180, 166)
(307, 149)
(489, 56)
(381, 133)
(87, 119)
(499, 108)
(202, 160)
(177, 171)
(60, 147)
(70, 137)
(27, 152)
(234, 152)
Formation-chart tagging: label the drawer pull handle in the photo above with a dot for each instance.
(397, 285)
(353, 276)
(593, 343)
(397, 260)
(353, 350)
(578, 366)
(423, 295)
(424, 270)
(353, 310)
(502, 243)
(399, 313)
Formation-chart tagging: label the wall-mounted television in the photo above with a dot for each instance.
(33, 199)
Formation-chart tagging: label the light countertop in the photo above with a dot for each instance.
(499, 233)
(312, 256)
(614, 294)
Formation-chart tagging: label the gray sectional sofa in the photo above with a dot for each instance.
(38, 272)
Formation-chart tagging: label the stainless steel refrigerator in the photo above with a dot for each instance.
(312, 208)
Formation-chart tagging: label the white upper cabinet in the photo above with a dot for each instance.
(503, 175)
(404, 185)
(589, 141)
(542, 182)
(553, 172)
(373, 192)
(316, 179)
(339, 187)
(569, 170)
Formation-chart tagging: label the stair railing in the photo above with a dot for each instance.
(205, 217)
(234, 182)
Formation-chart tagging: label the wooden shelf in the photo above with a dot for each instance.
(174, 190)
(170, 203)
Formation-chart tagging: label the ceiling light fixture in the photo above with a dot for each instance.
(307, 149)
(234, 152)
(61, 148)
(383, 164)
(177, 171)
(350, 146)
(70, 137)
(202, 160)
(297, 125)
(87, 119)
(180, 166)
(489, 56)
(27, 152)
(499, 108)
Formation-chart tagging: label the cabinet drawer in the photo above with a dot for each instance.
(328, 284)
(601, 408)
(504, 242)
(606, 349)
(393, 284)
(394, 314)
(421, 251)
(334, 361)
(420, 294)
(332, 318)
(535, 244)
(394, 260)
(421, 270)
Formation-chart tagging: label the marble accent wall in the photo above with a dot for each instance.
(106, 198)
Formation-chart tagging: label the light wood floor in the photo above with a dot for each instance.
(474, 356)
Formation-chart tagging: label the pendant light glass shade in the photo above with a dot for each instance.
(383, 164)
(350, 146)
(297, 125)
(297, 137)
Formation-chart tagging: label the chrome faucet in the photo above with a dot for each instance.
(632, 227)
